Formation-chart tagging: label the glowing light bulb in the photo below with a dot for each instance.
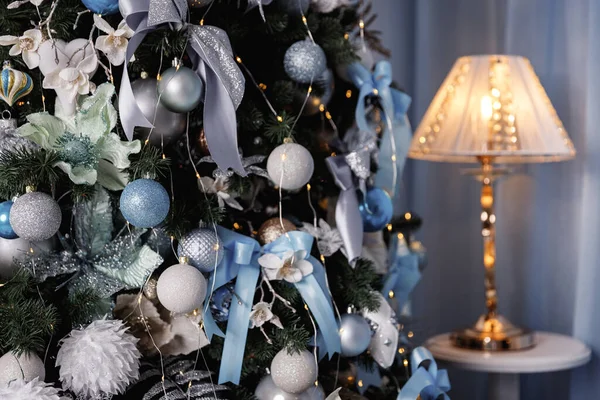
(486, 107)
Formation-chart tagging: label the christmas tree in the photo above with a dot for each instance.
(200, 200)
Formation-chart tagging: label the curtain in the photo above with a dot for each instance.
(548, 219)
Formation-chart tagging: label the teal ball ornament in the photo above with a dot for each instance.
(6, 231)
(103, 7)
(355, 335)
(144, 203)
(180, 89)
(304, 61)
(376, 210)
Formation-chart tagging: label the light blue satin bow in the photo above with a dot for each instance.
(404, 273)
(239, 261)
(312, 287)
(394, 104)
(429, 383)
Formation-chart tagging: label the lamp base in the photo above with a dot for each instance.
(493, 334)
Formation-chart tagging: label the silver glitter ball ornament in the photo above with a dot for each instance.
(10, 140)
(290, 166)
(181, 288)
(26, 366)
(304, 61)
(35, 216)
(293, 7)
(203, 248)
(355, 335)
(168, 125)
(267, 390)
(180, 89)
(294, 372)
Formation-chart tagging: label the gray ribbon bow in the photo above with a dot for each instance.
(347, 214)
(210, 51)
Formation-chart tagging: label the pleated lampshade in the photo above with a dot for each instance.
(491, 106)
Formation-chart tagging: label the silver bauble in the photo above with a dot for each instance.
(180, 89)
(10, 140)
(35, 216)
(26, 366)
(290, 166)
(294, 372)
(293, 7)
(11, 249)
(304, 61)
(181, 288)
(355, 335)
(198, 3)
(325, 83)
(168, 126)
(268, 390)
(203, 249)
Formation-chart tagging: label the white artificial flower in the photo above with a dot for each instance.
(88, 149)
(19, 3)
(329, 239)
(292, 267)
(220, 187)
(261, 314)
(27, 45)
(72, 80)
(113, 45)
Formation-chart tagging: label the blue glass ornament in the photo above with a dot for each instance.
(103, 7)
(220, 303)
(144, 203)
(376, 210)
(6, 231)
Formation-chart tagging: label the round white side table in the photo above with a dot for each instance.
(553, 352)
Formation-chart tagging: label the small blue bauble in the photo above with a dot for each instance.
(144, 203)
(6, 231)
(376, 210)
(220, 303)
(103, 7)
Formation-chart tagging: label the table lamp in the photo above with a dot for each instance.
(490, 110)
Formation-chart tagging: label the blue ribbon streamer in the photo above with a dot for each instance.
(312, 291)
(404, 273)
(427, 382)
(240, 260)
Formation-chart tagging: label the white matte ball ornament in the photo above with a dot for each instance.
(290, 166)
(181, 288)
(35, 216)
(26, 366)
(295, 372)
(355, 335)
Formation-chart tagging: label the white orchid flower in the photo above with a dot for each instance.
(113, 45)
(220, 187)
(329, 239)
(89, 151)
(291, 268)
(19, 3)
(261, 314)
(27, 45)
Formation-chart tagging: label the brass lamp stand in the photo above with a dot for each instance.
(491, 331)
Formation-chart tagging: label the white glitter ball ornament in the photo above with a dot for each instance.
(290, 166)
(295, 372)
(181, 288)
(267, 390)
(304, 61)
(26, 366)
(33, 390)
(35, 216)
(99, 360)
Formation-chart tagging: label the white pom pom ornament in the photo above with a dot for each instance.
(99, 360)
(23, 390)
(290, 166)
(26, 367)
(181, 288)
